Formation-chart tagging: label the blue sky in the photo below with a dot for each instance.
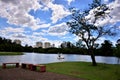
(34, 21)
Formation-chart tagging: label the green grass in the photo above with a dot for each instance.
(86, 71)
(10, 53)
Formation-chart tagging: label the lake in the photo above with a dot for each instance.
(42, 58)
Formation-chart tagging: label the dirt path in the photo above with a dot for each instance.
(22, 74)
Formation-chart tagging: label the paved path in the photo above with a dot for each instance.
(22, 74)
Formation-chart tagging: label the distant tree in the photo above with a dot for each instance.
(63, 45)
(67, 45)
(28, 48)
(70, 45)
(106, 48)
(86, 28)
(117, 53)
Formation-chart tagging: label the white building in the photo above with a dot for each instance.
(47, 45)
(39, 44)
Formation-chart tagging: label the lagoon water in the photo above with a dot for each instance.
(42, 58)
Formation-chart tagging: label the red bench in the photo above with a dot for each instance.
(32, 67)
(4, 65)
(42, 68)
(26, 66)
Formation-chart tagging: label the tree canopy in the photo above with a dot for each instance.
(86, 25)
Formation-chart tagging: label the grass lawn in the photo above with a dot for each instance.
(10, 53)
(86, 71)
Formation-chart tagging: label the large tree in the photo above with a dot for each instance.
(85, 25)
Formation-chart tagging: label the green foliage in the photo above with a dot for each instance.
(67, 45)
(117, 53)
(9, 46)
(106, 48)
(11, 53)
(86, 71)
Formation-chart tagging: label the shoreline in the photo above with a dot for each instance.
(10, 53)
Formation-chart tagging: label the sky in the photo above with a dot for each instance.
(34, 21)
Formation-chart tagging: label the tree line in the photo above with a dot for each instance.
(104, 49)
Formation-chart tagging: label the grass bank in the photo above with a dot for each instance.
(86, 70)
(10, 53)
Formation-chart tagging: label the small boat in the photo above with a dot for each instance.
(60, 56)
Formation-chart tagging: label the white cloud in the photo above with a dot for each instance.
(44, 25)
(28, 39)
(56, 42)
(17, 12)
(13, 33)
(112, 19)
(58, 30)
(19, 35)
(115, 12)
(8, 30)
(106, 1)
(91, 16)
(69, 1)
(41, 33)
(36, 38)
(45, 2)
(58, 13)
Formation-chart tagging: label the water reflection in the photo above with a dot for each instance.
(109, 60)
(10, 59)
(35, 58)
(39, 58)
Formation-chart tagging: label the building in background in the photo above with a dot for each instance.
(44, 45)
(39, 44)
(17, 41)
(47, 45)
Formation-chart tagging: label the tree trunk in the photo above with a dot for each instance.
(91, 52)
(93, 59)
